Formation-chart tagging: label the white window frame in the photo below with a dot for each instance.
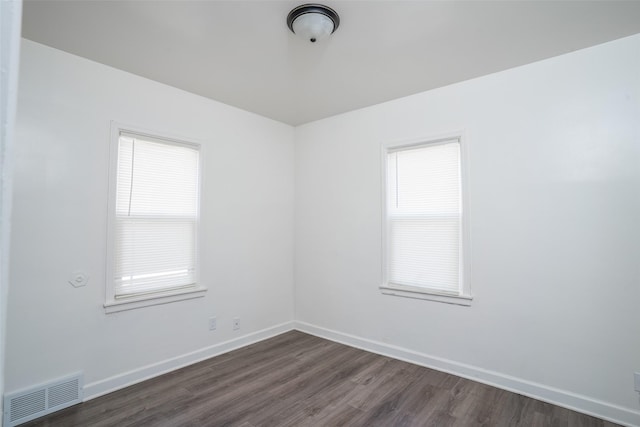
(113, 304)
(464, 298)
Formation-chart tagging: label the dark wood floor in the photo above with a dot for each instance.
(297, 379)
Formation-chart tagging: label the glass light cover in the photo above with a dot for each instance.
(313, 26)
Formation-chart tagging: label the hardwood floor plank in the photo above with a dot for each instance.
(295, 379)
(338, 416)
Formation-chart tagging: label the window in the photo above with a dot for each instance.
(153, 221)
(424, 231)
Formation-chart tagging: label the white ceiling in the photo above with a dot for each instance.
(242, 53)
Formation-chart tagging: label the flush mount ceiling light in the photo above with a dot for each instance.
(312, 21)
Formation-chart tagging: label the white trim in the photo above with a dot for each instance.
(465, 298)
(10, 28)
(555, 396)
(120, 381)
(563, 398)
(164, 136)
(153, 299)
(427, 294)
(156, 137)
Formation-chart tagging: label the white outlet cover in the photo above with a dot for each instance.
(636, 377)
(78, 279)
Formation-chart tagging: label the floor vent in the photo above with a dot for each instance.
(28, 404)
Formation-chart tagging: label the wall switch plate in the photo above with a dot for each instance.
(213, 323)
(636, 377)
(236, 323)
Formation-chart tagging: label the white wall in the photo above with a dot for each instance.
(555, 207)
(65, 107)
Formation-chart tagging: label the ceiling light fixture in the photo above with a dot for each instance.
(312, 21)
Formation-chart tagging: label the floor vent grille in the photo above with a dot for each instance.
(29, 404)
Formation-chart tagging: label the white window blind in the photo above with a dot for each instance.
(424, 217)
(156, 216)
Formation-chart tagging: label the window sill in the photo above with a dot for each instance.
(149, 300)
(418, 293)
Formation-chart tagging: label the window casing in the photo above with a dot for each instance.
(154, 202)
(425, 231)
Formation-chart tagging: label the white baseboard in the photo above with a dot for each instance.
(566, 399)
(117, 382)
(563, 398)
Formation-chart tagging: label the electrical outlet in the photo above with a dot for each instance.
(236, 323)
(636, 377)
(213, 323)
